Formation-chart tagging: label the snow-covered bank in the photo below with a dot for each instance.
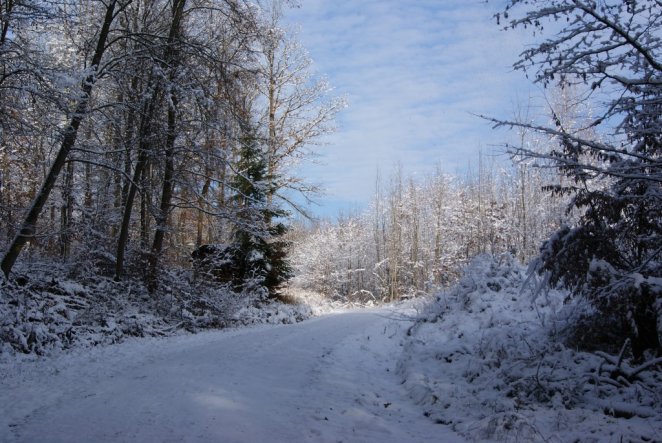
(328, 379)
(49, 312)
(485, 361)
(488, 360)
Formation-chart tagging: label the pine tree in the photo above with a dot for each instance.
(611, 255)
(258, 252)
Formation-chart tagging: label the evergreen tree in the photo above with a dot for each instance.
(611, 255)
(258, 252)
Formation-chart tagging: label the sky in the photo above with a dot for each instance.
(415, 73)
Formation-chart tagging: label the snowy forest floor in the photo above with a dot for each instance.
(46, 309)
(482, 361)
(490, 358)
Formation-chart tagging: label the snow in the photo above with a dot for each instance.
(328, 379)
(488, 359)
(50, 314)
(483, 361)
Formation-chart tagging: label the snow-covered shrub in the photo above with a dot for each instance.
(489, 358)
(610, 166)
(46, 313)
(624, 297)
(273, 313)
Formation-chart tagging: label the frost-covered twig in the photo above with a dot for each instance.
(619, 372)
(643, 367)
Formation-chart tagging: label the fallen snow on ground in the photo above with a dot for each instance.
(487, 359)
(483, 361)
(329, 379)
(54, 311)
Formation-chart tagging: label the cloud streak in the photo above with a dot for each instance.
(414, 73)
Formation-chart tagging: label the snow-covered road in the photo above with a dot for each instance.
(330, 379)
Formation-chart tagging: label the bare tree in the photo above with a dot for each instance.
(297, 109)
(68, 140)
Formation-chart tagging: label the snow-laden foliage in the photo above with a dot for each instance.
(489, 358)
(611, 51)
(133, 148)
(258, 253)
(417, 235)
(60, 309)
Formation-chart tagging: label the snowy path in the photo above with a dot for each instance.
(330, 379)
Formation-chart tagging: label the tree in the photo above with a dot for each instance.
(68, 140)
(258, 252)
(417, 235)
(297, 111)
(128, 133)
(611, 255)
(170, 57)
(185, 113)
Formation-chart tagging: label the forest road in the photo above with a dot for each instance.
(329, 379)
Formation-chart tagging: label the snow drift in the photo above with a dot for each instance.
(488, 359)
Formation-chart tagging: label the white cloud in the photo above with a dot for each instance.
(414, 72)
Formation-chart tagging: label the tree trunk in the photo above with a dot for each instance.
(145, 203)
(144, 135)
(66, 211)
(166, 198)
(201, 201)
(28, 227)
(645, 317)
(145, 129)
(4, 22)
(272, 144)
(6, 192)
(171, 56)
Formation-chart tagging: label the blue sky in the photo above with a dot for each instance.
(413, 72)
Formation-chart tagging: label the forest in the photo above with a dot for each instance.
(150, 180)
(135, 133)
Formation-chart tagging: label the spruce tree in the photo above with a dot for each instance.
(259, 254)
(612, 255)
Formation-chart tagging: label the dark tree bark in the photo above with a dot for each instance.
(166, 199)
(66, 212)
(28, 227)
(145, 129)
(168, 61)
(201, 201)
(171, 57)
